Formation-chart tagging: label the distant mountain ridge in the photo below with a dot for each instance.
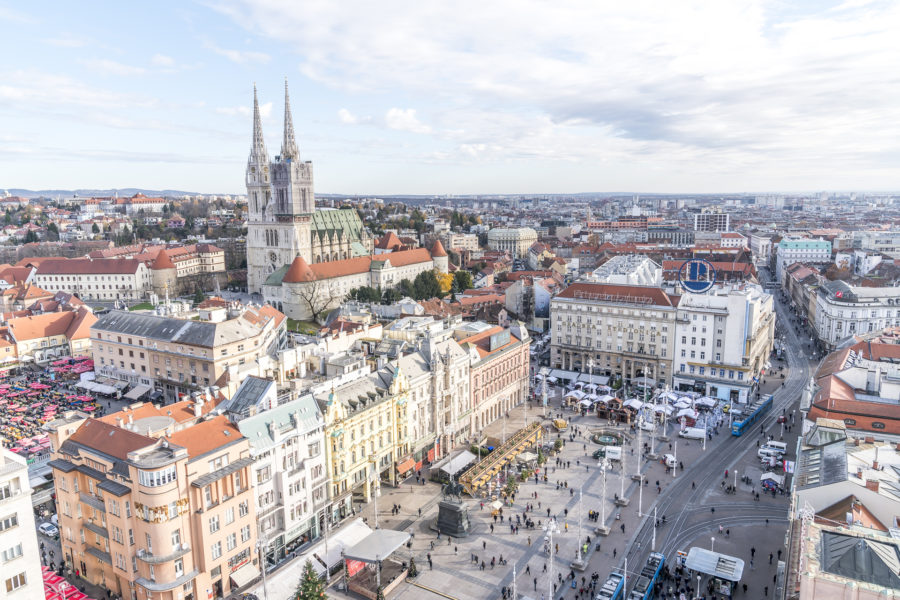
(123, 192)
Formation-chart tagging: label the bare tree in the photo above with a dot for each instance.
(317, 296)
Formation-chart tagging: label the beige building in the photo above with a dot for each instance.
(516, 241)
(178, 356)
(20, 575)
(621, 330)
(49, 336)
(156, 503)
(460, 241)
(109, 279)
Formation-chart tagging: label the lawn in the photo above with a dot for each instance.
(142, 306)
(305, 327)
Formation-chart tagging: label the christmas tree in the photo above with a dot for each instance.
(413, 571)
(311, 587)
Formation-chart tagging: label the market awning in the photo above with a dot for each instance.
(718, 565)
(137, 392)
(376, 546)
(458, 463)
(406, 465)
(244, 575)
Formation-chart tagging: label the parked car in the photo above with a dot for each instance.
(49, 529)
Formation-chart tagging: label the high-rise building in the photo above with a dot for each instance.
(711, 220)
(282, 219)
(20, 574)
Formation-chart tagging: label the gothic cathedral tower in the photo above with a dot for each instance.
(280, 202)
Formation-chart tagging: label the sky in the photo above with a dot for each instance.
(463, 97)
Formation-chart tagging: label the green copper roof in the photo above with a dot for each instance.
(277, 275)
(335, 220)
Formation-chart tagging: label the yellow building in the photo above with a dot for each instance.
(46, 337)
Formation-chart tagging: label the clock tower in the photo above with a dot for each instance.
(280, 202)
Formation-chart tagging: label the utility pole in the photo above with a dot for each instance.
(675, 456)
(653, 540)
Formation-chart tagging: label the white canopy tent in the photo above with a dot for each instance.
(376, 546)
(633, 403)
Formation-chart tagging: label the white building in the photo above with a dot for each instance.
(460, 241)
(732, 239)
(761, 247)
(288, 445)
(20, 562)
(807, 251)
(516, 241)
(723, 340)
(887, 242)
(628, 269)
(711, 220)
(102, 279)
(843, 311)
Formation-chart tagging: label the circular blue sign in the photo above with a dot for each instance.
(697, 275)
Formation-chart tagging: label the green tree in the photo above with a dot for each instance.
(199, 296)
(365, 294)
(7, 218)
(95, 228)
(52, 232)
(426, 286)
(407, 289)
(392, 295)
(31, 237)
(462, 280)
(311, 586)
(413, 571)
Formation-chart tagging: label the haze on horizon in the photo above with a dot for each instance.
(495, 98)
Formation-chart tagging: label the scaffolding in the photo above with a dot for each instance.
(482, 472)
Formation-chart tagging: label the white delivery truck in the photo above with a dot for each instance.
(779, 447)
(670, 460)
(613, 452)
(692, 433)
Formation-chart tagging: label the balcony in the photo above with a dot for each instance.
(152, 559)
(98, 529)
(92, 501)
(99, 554)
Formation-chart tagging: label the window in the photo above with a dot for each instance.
(12, 553)
(214, 524)
(218, 463)
(15, 582)
(243, 508)
(176, 538)
(216, 550)
(231, 541)
(149, 542)
(157, 478)
(207, 493)
(179, 568)
(245, 533)
(229, 515)
(9, 522)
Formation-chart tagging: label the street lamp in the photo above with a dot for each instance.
(262, 547)
(712, 544)
(580, 511)
(550, 528)
(675, 457)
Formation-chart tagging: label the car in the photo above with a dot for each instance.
(782, 419)
(49, 529)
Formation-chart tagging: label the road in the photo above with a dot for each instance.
(691, 505)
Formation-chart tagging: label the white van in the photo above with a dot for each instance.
(767, 453)
(779, 447)
(669, 460)
(614, 452)
(692, 433)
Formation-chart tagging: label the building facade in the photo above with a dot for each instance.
(712, 220)
(282, 219)
(156, 507)
(177, 356)
(843, 311)
(20, 560)
(723, 340)
(49, 336)
(106, 280)
(618, 330)
(802, 250)
(516, 241)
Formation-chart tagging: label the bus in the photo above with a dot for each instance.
(645, 587)
(750, 415)
(613, 588)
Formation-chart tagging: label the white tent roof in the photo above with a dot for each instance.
(715, 564)
(633, 403)
(458, 462)
(605, 398)
(376, 546)
(686, 412)
(577, 394)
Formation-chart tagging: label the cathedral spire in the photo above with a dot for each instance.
(258, 150)
(289, 145)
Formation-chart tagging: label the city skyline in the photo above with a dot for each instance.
(410, 99)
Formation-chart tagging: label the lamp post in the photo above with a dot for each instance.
(640, 494)
(262, 547)
(653, 540)
(675, 456)
(698, 588)
(712, 544)
(550, 528)
(580, 511)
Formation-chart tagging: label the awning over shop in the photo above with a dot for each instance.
(347, 536)
(458, 463)
(137, 392)
(376, 546)
(244, 575)
(718, 565)
(406, 465)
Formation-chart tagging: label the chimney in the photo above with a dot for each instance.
(119, 422)
(870, 439)
(130, 417)
(859, 473)
(856, 442)
(198, 409)
(872, 484)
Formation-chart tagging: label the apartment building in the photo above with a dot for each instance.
(515, 241)
(49, 336)
(723, 340)
(289, 478)
(843, 311)
(466, 242)
(177, 356)
(712, 220)
(498, 371)
(110, 279)
(20, 561)
(621, 330)
(156, 503)
(788, 251)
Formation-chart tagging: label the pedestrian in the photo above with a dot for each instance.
(766, 593)
(752, 551)
(483, 545)
(771, 556)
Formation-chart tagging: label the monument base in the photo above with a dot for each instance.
(653, 456)
(579, 564)
(602, 530)
(621, 502)
(453, 518)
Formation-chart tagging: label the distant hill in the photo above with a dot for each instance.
(123, 192)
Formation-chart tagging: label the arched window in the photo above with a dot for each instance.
(877, 425)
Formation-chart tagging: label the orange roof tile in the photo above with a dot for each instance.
(41, 326)
(438, 249)
(109, 439)
(162, 261)
(206, 436)
(299, 271)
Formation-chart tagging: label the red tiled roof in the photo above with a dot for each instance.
(109, 439)
(87, 266)
(388, 241)
(352, 266)
(482, 341)
(618, 293)
(299, 271)
(162, 261)
(206, 436)
(438, 249)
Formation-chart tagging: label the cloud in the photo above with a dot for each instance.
(67, 41)
(111, 67)
(240, 57)
(265, 110)
(161, 60)
(405, 120)
(348, 118)
(714, 86)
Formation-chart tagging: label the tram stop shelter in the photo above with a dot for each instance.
(370, 564)
(723, 571)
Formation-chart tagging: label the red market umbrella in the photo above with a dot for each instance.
(89, 408)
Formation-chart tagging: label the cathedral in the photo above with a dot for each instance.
(283, 221)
